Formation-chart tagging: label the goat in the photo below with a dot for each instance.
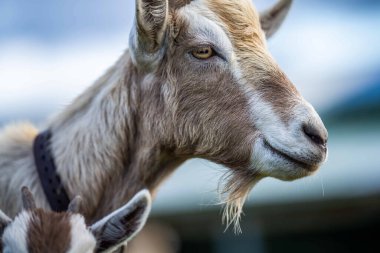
(197, 82)
(36, 230)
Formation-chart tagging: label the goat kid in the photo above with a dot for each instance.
(36, 230)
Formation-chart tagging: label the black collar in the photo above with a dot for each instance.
(50, 180)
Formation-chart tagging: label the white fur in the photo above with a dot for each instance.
(82, 240)
(288, 138)
(15, 235)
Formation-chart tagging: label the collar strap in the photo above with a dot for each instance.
(47, 172)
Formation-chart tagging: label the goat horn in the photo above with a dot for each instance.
(74, 206)
(27, 199)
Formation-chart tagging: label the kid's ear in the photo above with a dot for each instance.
(114, 230)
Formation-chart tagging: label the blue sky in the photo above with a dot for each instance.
(328, 48)
(49, 20)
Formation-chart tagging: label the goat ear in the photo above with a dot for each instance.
(120, 226)
(74, 206)
(272, 19)
(149, 31)
(27, 199)
(4, 222)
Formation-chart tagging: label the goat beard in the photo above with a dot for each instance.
(234, 193)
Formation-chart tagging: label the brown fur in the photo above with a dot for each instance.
(176, 4)
(49, 232)
(242, 23)
(280, 92)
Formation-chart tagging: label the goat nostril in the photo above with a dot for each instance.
(315, 135)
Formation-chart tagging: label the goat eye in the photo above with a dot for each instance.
(203, 53)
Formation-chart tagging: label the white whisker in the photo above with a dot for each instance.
(322, 185)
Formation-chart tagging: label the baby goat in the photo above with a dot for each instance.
(35, 230)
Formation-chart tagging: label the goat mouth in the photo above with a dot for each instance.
(295, 161)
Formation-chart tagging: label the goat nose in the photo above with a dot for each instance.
(316, 133)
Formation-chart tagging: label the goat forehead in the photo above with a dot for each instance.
(237, 23)
(239, 19)
(202, 28)
(48, 231)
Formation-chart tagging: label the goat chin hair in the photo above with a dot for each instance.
(233, 195)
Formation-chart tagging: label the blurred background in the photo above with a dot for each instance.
(50, 51)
